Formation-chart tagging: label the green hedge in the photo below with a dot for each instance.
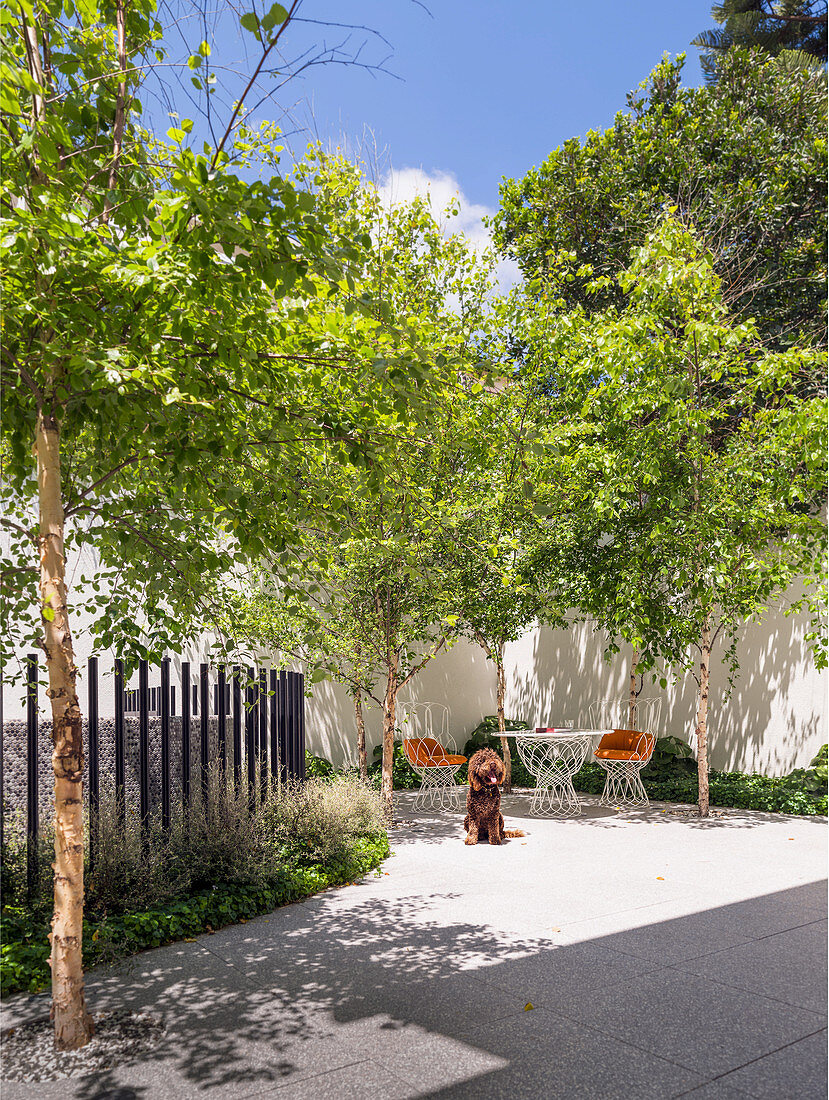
(748, 792)
(25, 948)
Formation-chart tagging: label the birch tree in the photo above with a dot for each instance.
(371, 599)
(677, 397)
(144, 364)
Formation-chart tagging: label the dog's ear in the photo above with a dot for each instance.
(473, 779)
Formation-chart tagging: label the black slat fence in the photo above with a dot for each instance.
(144, 751)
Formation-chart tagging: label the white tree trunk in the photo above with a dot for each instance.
(502, 725)
(73, 1023)
(362, 761)
(389, 716)
(702, 717)
(634, 661)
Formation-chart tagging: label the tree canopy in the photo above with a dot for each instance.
(794, 31)
(743, 160)
(696, 462)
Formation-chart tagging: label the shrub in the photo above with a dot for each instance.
(222, 862)
(486, 736)
(319, 820)
(317, 767)
(404, 777)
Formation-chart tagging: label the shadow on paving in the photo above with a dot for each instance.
(608, 817)
(430, 827)
(334, 990)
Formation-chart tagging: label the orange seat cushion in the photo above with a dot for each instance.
(625, 745)
(427, 752)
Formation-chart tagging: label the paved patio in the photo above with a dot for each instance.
(663, 957)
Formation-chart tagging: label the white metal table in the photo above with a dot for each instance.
(554, 758)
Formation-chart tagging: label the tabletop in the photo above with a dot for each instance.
(552, 735)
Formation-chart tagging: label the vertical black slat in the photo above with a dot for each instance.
(274, 705)
(144, 742)
(185, 735)
(289, 725)
(204, 704)
(120, 768)
(94, 756)
(165, 743)
(237, 726)
(263, 733)
(300, 680)
(283, 726)
(297, 707)
(250, 733)
(32, 802)
(221, 717)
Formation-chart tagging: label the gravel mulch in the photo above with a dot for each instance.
(122, 1036)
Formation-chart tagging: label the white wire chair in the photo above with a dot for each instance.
(432, 754)
(615, 714)
(623, 754)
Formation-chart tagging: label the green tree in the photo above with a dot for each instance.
(145, 365)
(497, 530)
(794, 30)
(677, 399)
(368, 600)
(744, 160)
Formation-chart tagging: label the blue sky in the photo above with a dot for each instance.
(472, 92)
(489, 89)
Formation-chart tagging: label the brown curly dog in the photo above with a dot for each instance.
(483, 802)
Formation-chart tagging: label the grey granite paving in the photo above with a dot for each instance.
(661, 957)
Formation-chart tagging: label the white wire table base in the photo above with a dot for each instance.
(438, 787)
(553, 761)
(623, 785)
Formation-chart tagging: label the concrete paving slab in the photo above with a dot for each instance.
(427, 1059)
(796, 1072)
(363, 1080)
(782, 965)
(693, 1021)
(714, 1090)
(546, 977)
(651, 935)
(664, 957)
(558, 1059)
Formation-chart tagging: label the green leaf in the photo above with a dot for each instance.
(274, 17)
(250, 22)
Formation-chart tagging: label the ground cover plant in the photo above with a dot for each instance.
(225, 864)
(672, 777)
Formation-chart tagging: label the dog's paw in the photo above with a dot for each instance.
(471, 840)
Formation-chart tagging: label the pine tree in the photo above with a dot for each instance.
(793, 30)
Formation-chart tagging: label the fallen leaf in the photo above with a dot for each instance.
(189, 939)
(659, 878)
(555, 929)
(243, 920)
(529, 1005)
(791, 838)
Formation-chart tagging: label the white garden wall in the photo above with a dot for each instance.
(774, 721)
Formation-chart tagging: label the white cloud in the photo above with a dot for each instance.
(441, 188)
